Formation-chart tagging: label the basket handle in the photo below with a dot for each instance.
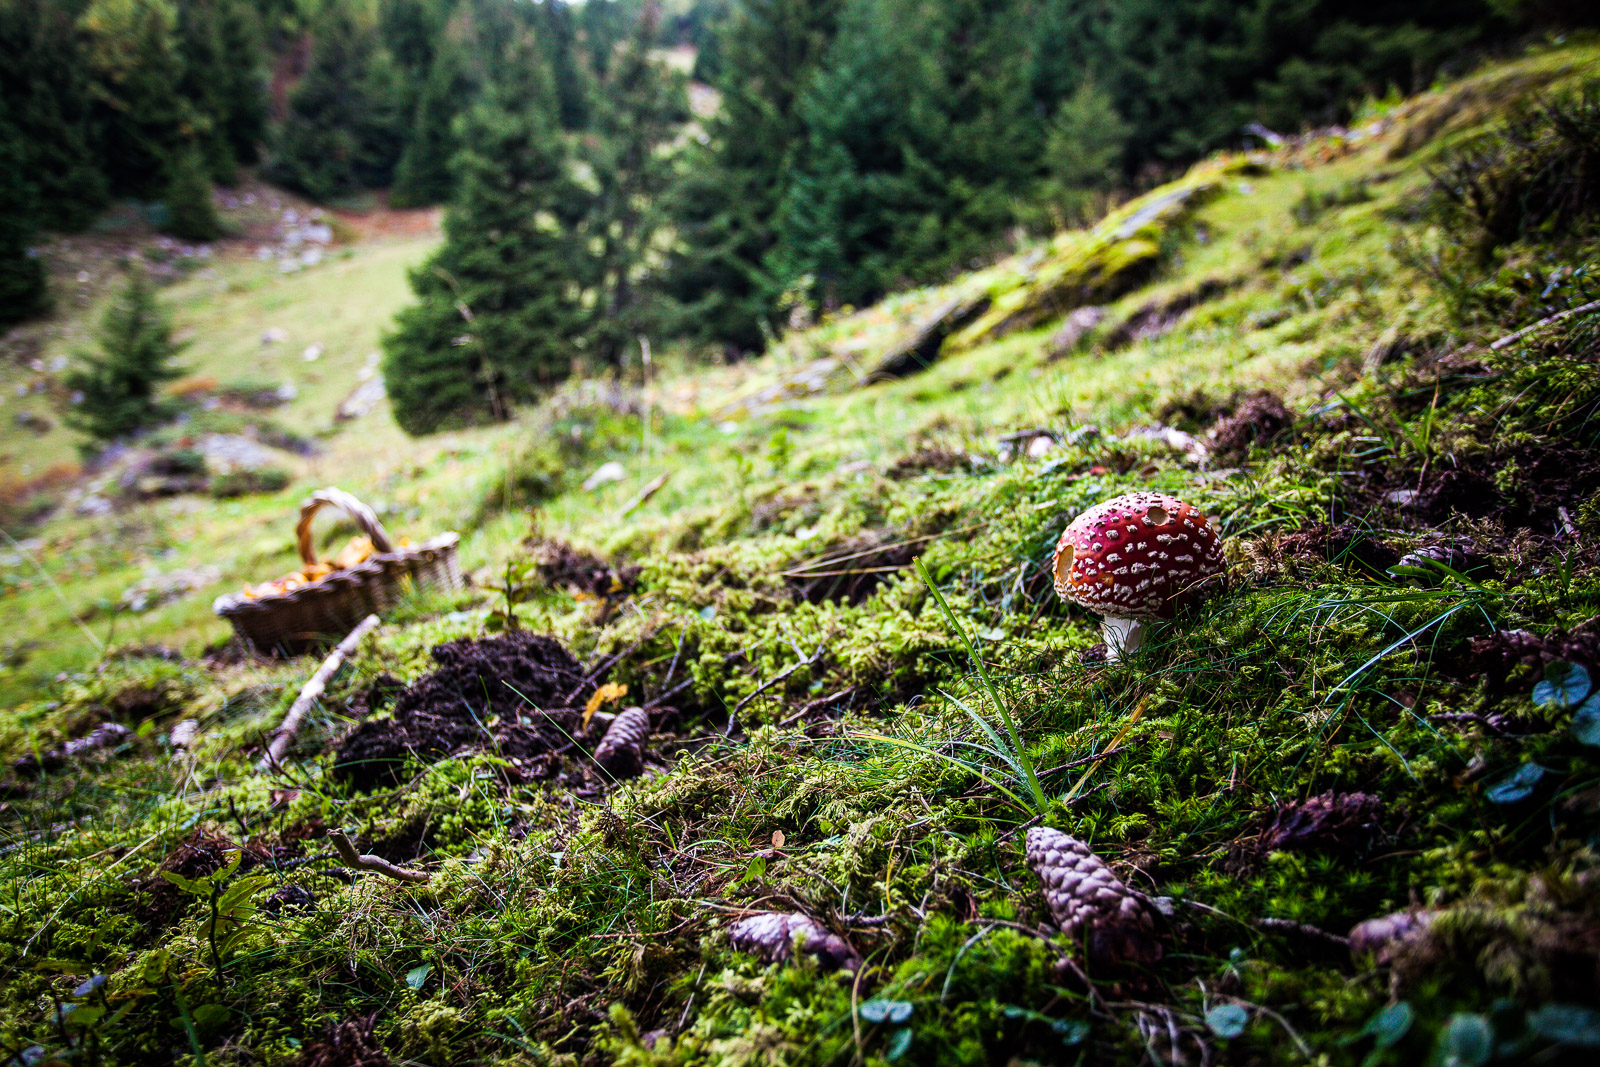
(364, 516)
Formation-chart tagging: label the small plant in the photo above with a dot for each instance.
(517, 585)
(245, 483)
(230, 909)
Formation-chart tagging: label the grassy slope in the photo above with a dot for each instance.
(553, 929)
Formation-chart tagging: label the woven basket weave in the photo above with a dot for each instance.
(321, 612)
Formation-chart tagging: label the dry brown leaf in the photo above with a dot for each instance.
(609, 693)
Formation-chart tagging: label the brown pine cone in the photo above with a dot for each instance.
(1329, 821)
(1114, 923)
(621, 750)
(771, 935)
(1385, 937)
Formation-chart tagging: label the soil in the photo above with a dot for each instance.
(1258, 418)
(347, 1044)
(562, 566)
(1346, 544)
(932, 459)
(512, 694)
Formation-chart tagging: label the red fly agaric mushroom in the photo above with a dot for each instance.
(1136, 558)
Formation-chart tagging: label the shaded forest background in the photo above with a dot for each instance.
(851, 147)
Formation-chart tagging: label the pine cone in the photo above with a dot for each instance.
(1385, 937)
(1090, 903)
(772, 935)
(1330, 820)
(1462, 556)
(621, 750)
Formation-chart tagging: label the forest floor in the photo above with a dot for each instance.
(859, 689)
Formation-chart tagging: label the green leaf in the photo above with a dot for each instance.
(1227, 1020)
(417, 975)
(1586, 721)
(1466, 1041)
(899, 1042)
(1390, 1025)
(82, 1016)
(1517, 786)
(188, 885)
(1564, 685)
(879, 1010)
(1567, 1024)
(210, 1016)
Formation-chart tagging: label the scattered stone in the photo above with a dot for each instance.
(183, 734)
(155, 589)
(1074, 328)
(1093, 907)
(274, 335)
(775, 936)
(312, 353)
(605, 474)
(363, 399)
(227, 452)
(94, 506)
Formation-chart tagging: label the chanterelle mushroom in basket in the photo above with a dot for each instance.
(1136, 558)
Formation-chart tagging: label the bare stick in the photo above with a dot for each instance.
(308, 696)
(733, 716)
(353, 859)
(645, 494)
(1526, 330)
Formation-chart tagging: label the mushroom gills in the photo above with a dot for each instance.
(1123, 637)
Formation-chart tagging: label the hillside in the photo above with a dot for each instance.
(861, 688)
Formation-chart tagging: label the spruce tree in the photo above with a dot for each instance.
(222, 80)
(345, 125)
(137, 69)
(499, 305)
(45, 84)
(726, 201)
(423, 174)
(638, 111)
(190, 214)
(23, 291)
(119, 389)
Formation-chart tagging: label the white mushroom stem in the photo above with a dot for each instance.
(1122, 636)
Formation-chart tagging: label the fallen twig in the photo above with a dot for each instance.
(1548, 320)
(733, 716)
(105, 736)
(645, 494)
(308, 696)
(353, 859)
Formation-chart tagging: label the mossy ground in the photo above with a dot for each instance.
(560, 929)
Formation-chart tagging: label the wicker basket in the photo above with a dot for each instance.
(321, 612)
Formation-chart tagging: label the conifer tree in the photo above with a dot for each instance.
(498, 306)
(345, 126)
(423, 174)
(137, 69)
(45, 83)
(220, 44)
(638, 111)
(726, 203)
(23, 292)
(190, 214)
(119, 389)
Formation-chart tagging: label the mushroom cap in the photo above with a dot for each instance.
(1138, 556)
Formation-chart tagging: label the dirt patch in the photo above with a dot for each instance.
(511, 694)
(1160, 317)
(562, 566)
(347, 1044)
(1518, 655)
(852, 570)
(930, 460)
(1350, 545)
(1259, 418)
(204, 852)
